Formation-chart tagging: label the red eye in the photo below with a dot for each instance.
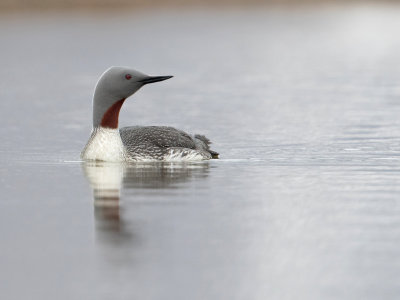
(128, 76)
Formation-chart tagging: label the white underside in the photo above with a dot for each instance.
(173, 155)
(179, 154)
(105, 144)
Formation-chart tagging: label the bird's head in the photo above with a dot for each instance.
(114, 86)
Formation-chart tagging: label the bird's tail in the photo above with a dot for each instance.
(203, 138)
(214, 155)
(206, 145)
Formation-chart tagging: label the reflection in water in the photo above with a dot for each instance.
(106, 181)
(109, 179)
(163, 175)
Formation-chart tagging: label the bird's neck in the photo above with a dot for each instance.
(105, 141)
(106, 108)
(111, 115)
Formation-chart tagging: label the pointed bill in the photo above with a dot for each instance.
(151, 79)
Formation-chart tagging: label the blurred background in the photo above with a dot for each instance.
(74, 4)
(301, 100)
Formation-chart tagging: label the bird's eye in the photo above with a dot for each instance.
(128, 76)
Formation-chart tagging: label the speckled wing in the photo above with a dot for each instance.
(154, 140)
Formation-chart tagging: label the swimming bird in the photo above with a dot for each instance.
(137, 143)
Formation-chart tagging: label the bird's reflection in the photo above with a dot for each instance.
(109, 180)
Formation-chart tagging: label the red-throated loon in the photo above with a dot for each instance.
(137, 143)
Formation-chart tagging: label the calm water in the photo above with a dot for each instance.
(303, 106)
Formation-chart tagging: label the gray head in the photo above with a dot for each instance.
(114, 86)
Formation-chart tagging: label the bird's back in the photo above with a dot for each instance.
(158, 142)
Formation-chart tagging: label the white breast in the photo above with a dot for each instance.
(104, 144)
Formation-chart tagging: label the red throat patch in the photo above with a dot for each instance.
(110, 118)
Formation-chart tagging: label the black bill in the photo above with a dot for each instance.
(152, 79)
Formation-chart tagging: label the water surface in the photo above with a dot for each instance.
(303, 106)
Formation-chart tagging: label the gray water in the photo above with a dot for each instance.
(303, 106)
